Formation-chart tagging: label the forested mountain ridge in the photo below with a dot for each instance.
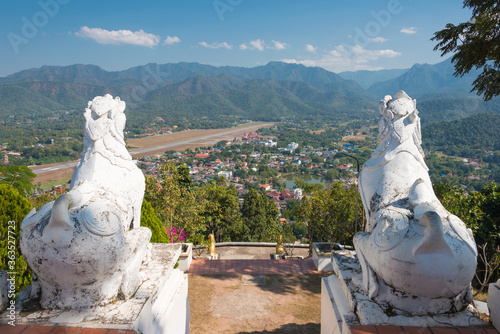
(185, 91)
(477, 132)
(424, 81)
(197, 95)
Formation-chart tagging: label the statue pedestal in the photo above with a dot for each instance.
(160, 304)
(343, 304)
(494, 304)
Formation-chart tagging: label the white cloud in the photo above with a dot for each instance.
(258, 44)
(278, 46)
(223, 45)
(310, 48)
(171, 40)
(343, 58)
(379, 39)
(410, 30)
(119, 37)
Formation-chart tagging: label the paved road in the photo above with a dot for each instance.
(142, 151)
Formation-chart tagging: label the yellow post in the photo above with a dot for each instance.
(279, 246)
(212, 245)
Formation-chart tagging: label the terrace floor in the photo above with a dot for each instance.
(253, 296)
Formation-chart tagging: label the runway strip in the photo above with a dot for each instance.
(143, 151)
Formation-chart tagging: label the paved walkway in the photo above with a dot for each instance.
(252, 267)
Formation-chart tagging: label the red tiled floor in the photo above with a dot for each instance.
(256, 267)
(444, 331)
(491, 331)
(416, 330)
(471, 331)
(93, 331)
(8, 329)
(66, 330)
(363, 329)
(38, 330)
(390, 330)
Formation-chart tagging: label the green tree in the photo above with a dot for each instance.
(172, 198)
(329, 214)
(220, 210)
(19, 177)
(475, 44)
(151, 221)
(40, 200)
(13, 208)
(480, 212)
(260, 217)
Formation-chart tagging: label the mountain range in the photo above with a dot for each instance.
(272, 92)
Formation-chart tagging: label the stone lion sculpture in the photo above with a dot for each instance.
(414, 254)
(86, 247)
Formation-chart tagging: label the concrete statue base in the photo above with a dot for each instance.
(494, 304)
(159, 305)
(344, 303)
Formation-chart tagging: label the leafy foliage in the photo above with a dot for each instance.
(13, 208)
(149, 220)
(329, 214)
(260, 216)
(479, 211)
(19, 177)
(475, 44)
(173, 199)
(220, 210)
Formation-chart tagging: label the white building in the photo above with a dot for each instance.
(292, 146)
(228, 175)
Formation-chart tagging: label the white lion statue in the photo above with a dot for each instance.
(86, 247)
(415, 255)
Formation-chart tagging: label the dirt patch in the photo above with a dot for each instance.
(354, 138)
(285, 304)
(317, 132)
(54, 176)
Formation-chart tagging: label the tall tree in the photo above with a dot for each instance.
(13, 208)
(260, 217)
(172, 199)
(151, 221)
(475, 44)
(329, 214)
(220, 210)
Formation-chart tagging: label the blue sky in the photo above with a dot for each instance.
(116, 35)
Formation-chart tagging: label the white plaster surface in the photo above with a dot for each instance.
(494, 304)
(414, 254)
(186, 258)
(342, 299)
(322, 263)
(160, 304)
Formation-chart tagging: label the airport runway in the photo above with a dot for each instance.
(203, 140)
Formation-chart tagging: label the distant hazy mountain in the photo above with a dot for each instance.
(367, 78)
(152, 76)
(426, 81)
